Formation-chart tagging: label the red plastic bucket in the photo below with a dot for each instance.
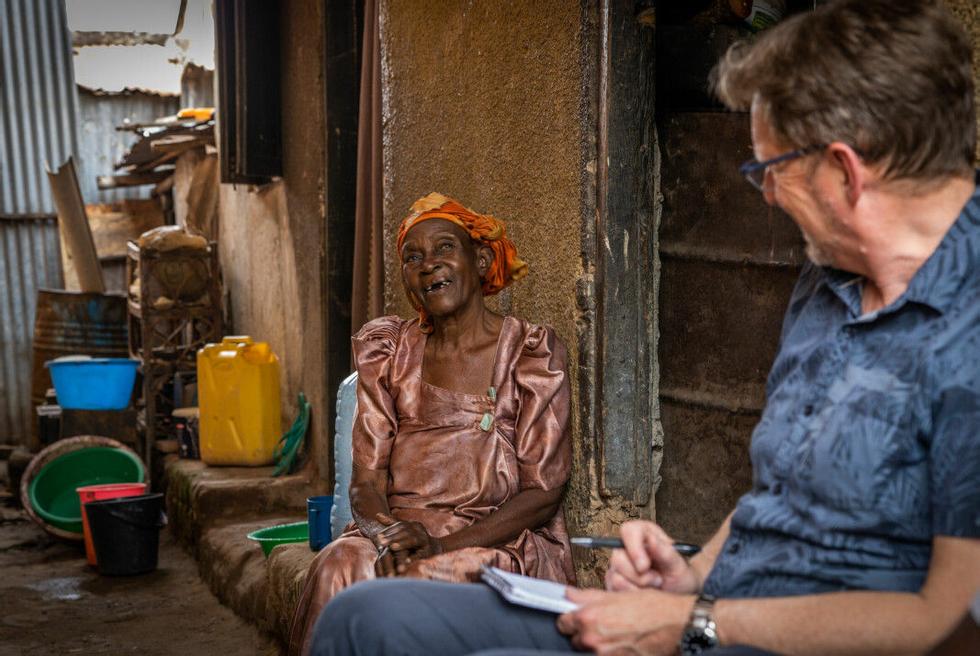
(100, 493)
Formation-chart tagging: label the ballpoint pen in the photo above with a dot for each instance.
(683, 548)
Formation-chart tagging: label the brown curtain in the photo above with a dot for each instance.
(367, 300)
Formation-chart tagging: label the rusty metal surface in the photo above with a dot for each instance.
(70, 323)
(38, 102)
(29, 258)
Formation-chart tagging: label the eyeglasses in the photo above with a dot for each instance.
(755, 171)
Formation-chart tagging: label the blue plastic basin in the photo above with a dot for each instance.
(94, 384)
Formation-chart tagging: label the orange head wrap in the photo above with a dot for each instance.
(482, 228)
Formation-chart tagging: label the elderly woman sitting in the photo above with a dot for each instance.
(461, 445)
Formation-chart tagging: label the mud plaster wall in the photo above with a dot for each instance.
(483, 102)
(271, 237)
(968, 14)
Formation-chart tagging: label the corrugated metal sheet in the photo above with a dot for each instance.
(197, 86)
(38, 114)
(101, 145)
(38, 103)
(29, 260)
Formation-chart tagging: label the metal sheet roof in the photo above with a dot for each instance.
(38, 102)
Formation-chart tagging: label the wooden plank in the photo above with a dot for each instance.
(178, 143)
(146, 167)
(132, 180)
(627, 421)
(114, 225)
(164, 186)
(75, 232)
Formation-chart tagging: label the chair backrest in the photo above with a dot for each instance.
(340, 514)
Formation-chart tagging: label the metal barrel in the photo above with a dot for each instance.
(75, 323)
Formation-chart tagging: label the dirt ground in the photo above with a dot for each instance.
(53, 602)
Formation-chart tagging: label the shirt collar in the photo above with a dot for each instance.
(938, 280)
(940, 277)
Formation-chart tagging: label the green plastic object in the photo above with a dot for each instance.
(52, 492)
(289, 444)
(271, 537)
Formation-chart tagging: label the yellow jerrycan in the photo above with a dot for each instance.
(238, 394)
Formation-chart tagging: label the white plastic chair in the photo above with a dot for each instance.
(340, 514)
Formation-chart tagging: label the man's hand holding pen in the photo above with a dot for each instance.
(650, 559)
(646, 571)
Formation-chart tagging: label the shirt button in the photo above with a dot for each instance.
(807, 410)
(777, 488)
(733, 548)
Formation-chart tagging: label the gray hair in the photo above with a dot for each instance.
(891, 78)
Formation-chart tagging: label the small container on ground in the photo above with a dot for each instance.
(126, 533)
(102, 492)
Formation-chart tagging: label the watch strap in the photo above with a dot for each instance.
(701, 633)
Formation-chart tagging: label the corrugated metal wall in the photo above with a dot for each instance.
(101, 145)
(38, 114)
(197, 86)
(39, 103)
(29, 260)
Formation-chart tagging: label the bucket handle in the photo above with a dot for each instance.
(160, 523)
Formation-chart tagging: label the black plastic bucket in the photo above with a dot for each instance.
(126, 533)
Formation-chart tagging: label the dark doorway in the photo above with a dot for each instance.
(728, 265)
(342, 68)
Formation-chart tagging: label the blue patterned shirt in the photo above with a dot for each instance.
(869, 445)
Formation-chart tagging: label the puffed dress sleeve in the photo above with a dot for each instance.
(542, 435)
(376, 423)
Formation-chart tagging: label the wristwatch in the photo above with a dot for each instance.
(700, 634)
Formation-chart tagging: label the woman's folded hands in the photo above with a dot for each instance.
(401, 544)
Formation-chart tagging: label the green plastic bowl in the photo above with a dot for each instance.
(52, 492)
(273, 536)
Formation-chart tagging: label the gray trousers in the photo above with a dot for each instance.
(394, 617)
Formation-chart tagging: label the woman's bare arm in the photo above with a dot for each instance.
(526, 511)
(369, 498)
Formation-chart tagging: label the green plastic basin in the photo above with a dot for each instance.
(273, 536)
(52, 492)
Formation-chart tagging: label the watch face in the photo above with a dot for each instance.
(695, 642)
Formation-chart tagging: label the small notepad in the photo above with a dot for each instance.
(526, 591)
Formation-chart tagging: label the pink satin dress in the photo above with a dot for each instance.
(453, 458)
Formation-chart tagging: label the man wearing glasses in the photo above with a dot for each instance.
(861, 534)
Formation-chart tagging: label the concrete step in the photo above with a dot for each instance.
(212, 510)
(262, 590)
